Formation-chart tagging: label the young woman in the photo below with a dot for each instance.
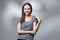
(28, 24)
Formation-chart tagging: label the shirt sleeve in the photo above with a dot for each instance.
(35, 20)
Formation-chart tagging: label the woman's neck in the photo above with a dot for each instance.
(27, 16)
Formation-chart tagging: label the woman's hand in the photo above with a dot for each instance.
(38, 17)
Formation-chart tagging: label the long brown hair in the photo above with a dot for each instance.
(23, 14)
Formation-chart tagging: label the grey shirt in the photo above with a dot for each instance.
(27, 26)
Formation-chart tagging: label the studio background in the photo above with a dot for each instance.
(48, 10)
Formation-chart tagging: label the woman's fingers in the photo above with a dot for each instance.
(38, 17)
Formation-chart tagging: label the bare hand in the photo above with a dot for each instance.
(38, 18)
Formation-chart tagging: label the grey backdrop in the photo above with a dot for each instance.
(48, 10)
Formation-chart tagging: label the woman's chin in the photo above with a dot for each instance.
(27, 14)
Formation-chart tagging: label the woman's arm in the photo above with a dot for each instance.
(21, 31)
(35, 26)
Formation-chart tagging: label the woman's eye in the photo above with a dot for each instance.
(25, 8)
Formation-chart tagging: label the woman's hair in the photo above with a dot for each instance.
(23, 14)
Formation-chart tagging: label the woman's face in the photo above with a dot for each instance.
(27, 9)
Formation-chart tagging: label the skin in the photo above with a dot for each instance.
(28, 18)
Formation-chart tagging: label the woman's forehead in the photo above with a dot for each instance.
(26, 6)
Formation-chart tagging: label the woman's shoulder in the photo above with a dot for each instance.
(33, 16)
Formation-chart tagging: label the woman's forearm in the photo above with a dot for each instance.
(24, 31)
(36, 27)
